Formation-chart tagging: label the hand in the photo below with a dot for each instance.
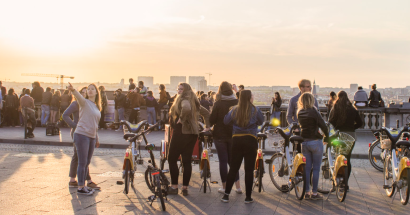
(324, 143)
(207, 129)
(70, 88)
(234, 88)
(97, 144)
(179, 121)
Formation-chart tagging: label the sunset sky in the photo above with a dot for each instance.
(244, 42)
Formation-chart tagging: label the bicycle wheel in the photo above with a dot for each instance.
(205, 174)
(260, 174)
(158, 192)
(341, 188)
(279, 172)
(375, 151)
(325, 183)
(149, 180)
(388, 177)
(127, 176)
(404, 191)
(300, 183)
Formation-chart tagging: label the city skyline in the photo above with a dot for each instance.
(258, 43)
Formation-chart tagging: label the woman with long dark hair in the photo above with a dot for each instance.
(331, 102)
(222, 134)
(55, 105)
(245, 118)
(185, 129)
(275, 109)
(86, 133)
(12, 104)
(345, 118)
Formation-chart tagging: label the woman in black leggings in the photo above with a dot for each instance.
(185, 129)
(345, 118)
(245, 118)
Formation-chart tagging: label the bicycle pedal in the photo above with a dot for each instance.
(386, 187)
(141, 162)
(285, 187)
(165, 171)
(214, 182)
(151, 198)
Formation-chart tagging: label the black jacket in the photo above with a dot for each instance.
(353, 120)
(219, 110)
(119, 101)
(374, 98)
(37, 94)
(151, 102)
(46, 98)
(275, 106)
(310, 121)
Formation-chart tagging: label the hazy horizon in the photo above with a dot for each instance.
(258, 43)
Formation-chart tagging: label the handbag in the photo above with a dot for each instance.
(381, 103)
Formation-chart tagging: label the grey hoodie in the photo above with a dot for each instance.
(361, 96)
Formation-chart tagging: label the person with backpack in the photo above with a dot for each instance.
(136, 100)
(164, 97)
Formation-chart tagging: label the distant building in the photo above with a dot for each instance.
(314, 90)
(194, 81)
(148, 81)
(353, 87)
(284, 88)
(203, 85)
(175, 80)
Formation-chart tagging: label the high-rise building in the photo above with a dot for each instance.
(175, 80)
(353, 87)
(148, 81)
(194, 81)
(314, 90)
(202, 85)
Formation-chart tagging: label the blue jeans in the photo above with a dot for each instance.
(152, 117)
(45, 114)
(313, 151)
(85, 149)
(121, 112)
(224, 149)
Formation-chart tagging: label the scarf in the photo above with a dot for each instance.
(231, 97)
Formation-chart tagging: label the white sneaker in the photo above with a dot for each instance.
(221, 190)
(239, 191)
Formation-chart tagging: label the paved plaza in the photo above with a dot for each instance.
(34, 180)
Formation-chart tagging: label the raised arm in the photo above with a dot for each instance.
(77, 95)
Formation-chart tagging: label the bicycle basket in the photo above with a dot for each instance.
(349, 140)
(385, 141)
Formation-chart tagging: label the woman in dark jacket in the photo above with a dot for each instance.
(55, 106)
(275, 109)
(11, 104)
(205, 101)
(345, 118)
(222, 134)
(375, 97)
(245, 118)
(310, 121)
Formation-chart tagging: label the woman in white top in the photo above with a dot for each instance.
(85, 135)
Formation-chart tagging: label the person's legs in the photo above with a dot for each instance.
(222, 150)
(317, 153)
(173, 155)
(237, 157)
(149, 115)
(250, 146)
(43, 115)
(309, 160)
(229, 150)
(91, 148)
(188, 148)
(120, 117)
(82, 144)
(33, 120)
(116, 116)
(73, 165)
(102, 120)
(52, 113)
(131, 118)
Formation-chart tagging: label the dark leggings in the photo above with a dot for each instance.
(349, 165)
(244, 147)
(181, 144)
(224, 149)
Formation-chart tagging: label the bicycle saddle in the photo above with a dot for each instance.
(205, 133)
(296, 138)
(134, 128)
(403, 143)
(339, 143)
(128, 135)
(262, 135)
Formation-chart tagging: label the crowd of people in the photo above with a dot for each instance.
(230, 112)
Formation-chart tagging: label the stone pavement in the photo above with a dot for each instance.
(34, 180)
(112, 139)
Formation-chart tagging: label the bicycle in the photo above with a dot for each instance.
(291, 167)
(259, 166)
(204, 166)
(132, 156)
(396, 168)
(155, 178)
(334, 175)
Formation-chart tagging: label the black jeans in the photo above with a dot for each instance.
(181, 144)
(133, 118)
(244, 147)
(224, 149)
(102, 120)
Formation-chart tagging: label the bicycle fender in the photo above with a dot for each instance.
(129, 157)
(297, 162)
(403, 165)
(204, 158)
(339, 165)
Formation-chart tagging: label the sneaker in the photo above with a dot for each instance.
(316, 197)
(93, 186)
(239, 191)
(307, 196)
(248, 200)
(184, 192)
(118, 130)
(84, 191)
(225, 198)
(172, 191)
(221, 190)
(72, 184)
(90, 189)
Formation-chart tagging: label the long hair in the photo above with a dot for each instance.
(161, 87)
(242, 113)
(83, 88)
(97, 97)
(189, 95)
(306, 101)
(225, 88)
(340, 108)
(58, 93)
(279, 98)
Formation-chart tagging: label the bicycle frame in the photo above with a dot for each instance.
(398, 167)
(335, 166)
(259, 155)
(205, 154)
